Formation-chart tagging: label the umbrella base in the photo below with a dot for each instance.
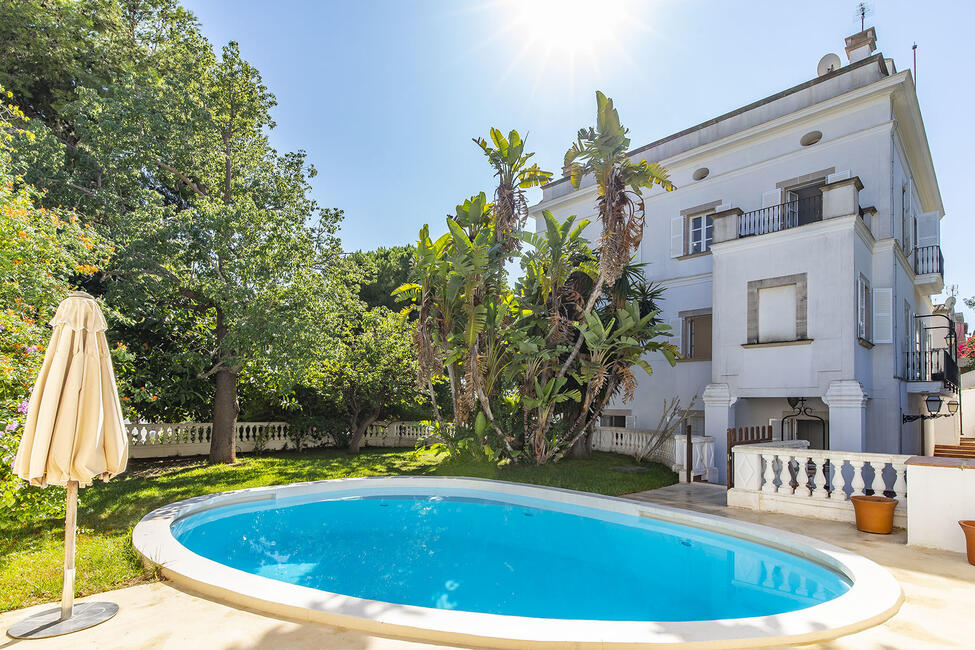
(48, 623)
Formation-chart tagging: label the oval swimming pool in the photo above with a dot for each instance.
(462, 553)
(475, 551)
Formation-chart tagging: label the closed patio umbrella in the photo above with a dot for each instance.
(74, 433)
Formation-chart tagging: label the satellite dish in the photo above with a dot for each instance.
(827, 64)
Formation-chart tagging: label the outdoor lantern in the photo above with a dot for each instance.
(952, 406)
(933, 402)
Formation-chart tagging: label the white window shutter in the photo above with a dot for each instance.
(677, 236)
(883, 315)
(928, 229)
(631, 422)
(676, 333)
(772, 197)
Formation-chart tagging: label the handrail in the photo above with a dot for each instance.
(928, 259)
(780, 217)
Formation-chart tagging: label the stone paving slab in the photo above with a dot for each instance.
(939, 611)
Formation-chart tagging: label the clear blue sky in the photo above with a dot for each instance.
(385, 96)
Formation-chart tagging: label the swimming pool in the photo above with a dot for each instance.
(500, 564)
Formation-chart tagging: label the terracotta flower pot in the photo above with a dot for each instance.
(969, 528)
(874, 514)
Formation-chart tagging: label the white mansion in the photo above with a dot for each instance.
(800, 253)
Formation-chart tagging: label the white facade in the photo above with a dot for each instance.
(825, 211)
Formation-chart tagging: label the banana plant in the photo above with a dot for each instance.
(603, 152)
(514, 173)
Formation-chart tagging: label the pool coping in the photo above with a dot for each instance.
(874, 596)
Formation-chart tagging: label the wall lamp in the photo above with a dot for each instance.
(933, 404)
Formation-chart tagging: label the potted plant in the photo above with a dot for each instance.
(968, 527)
(874, 514)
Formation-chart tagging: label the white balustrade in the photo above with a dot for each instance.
(672, 452)
(823, 482)
(155, 440)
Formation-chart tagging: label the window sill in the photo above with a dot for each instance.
(773, 344)
(691, 256)
(693, 360)
(864, 342)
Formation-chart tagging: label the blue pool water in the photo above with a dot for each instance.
(477, 551)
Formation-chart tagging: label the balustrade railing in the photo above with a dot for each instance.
(672, 452)
(928, 259)
(814, 482)
(781, 217)
(933, 365)
(155, 440)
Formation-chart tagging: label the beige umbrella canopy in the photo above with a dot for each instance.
(74, 432)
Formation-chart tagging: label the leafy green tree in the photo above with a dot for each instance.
(162, 145)
(382, 271)
(371, 372)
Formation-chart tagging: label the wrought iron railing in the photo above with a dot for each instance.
(933, 365)
(781, 217)
(928, 259)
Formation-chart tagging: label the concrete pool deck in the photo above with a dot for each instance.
(939, 589)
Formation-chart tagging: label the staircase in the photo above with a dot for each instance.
(964, 449)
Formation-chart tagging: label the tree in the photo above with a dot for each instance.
(382, 270)
(163, 147)
(371, 373)
(239, 254)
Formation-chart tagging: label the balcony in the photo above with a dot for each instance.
(781, 217)
(935, 368)
(929, 269)
(837, 199)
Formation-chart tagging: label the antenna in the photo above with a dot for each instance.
(914, 50)
(863, 10)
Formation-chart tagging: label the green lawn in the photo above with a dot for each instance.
(31, 555)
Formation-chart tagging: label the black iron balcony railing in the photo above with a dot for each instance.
(933, 365)
(928, 259)
(781, 217)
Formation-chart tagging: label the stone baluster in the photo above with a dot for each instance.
(879, 485)
(856, 483)
(821, 479)
(900, 481)
(769, 486)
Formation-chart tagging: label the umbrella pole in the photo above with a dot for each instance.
(70, 533)
(55, 622)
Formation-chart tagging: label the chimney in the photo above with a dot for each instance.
(860, 46)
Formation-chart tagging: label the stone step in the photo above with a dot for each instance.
(954, 451)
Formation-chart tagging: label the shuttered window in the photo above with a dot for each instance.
(883, 316)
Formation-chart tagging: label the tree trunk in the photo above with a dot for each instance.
(223, 447)
(583, 446)
(223, 443)
(355, 443)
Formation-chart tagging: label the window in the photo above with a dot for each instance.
(697, 338)
(613, 421)
(804, 204)
(701, 229)
(864, 317)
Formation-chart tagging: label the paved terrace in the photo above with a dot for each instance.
(938, 611)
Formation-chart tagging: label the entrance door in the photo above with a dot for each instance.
(811, 430)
